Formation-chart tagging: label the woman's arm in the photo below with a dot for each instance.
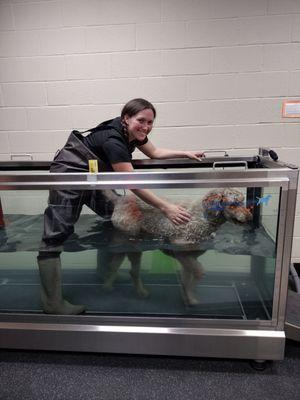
(153, 152)
(177, 214)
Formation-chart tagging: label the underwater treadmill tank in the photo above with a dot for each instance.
(215, 287)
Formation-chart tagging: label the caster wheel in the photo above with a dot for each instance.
(259, 365)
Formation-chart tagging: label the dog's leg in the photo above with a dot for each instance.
(197, 266)
(191, 272)
(135, 260)
(189, 282)
(114, 264)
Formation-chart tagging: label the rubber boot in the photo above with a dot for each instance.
(51, 289)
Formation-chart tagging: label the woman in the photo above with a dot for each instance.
(111, 143)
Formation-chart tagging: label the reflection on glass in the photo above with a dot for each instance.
(220, 265)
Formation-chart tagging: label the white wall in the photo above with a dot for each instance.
(217, 71)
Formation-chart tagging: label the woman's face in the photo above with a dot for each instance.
(140, 124)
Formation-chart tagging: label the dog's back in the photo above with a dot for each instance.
(135, 217)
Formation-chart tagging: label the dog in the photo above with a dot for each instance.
(134, 217)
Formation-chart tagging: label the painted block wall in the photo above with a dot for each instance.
(217, 71)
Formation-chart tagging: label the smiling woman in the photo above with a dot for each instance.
(111, 143)
(138, 126)
(114, 141)
(138, 117)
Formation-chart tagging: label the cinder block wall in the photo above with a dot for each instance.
(217, 71)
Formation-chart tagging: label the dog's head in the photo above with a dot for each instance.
(228, 204)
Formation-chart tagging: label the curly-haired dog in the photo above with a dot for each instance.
(134, 217)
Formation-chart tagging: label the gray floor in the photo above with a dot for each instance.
(45, 375)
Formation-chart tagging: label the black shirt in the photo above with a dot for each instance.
(109, 142)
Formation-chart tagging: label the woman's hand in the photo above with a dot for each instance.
(176, 214)
(194, 155)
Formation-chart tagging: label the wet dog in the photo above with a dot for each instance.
(134, 217)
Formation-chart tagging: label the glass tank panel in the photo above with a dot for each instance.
(220, 265)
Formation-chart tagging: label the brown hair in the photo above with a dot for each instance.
(135, 106)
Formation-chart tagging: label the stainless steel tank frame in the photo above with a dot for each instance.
(164, 335)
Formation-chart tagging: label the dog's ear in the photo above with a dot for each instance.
(235, 207)
(212, 204)
(233, 197)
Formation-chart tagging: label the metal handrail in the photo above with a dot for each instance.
(230, 163)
